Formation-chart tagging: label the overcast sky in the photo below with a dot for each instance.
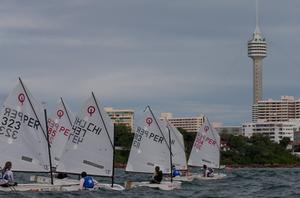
(188, 57)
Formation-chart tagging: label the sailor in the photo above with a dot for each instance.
(158, 176)
(61, 175)
(7, 176)
(207, 172)
(175, 172)
(86, 182)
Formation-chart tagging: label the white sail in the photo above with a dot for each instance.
(90, 145)
(59, 129)
(149, 147)
(23, 133)
(206, 147)
(178, 149)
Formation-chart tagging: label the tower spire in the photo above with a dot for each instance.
(257, 30)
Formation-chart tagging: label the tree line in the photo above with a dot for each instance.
(257, 150)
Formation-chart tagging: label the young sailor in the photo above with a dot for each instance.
(61, 175)
(175, 172)
(158, 176)
(7, 176)
(86, 181)
(207, 172)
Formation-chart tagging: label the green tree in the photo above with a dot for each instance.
(284, 142)
(123, 139)
(124, 136)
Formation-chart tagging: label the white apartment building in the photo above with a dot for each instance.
(274, 130)
(276, 110)
(190, 124)
(121, 116)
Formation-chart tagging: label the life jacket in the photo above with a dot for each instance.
(158, 177)
(175, 173)
(88, 182)
(210, 172)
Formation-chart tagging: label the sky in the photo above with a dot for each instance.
(184, 57)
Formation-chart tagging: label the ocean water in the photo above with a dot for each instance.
(243, 182)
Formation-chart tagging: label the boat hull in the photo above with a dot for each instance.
(165, 185)
(215, 177)
(181, 178)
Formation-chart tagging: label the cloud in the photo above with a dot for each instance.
(184, 57)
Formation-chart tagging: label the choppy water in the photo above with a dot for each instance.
(258, 182)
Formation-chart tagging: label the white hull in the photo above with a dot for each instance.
(36, 187)
(33, 187)
(164, 185)
(67, 184)
(98, 186)
(181, 178)
(215, 177)
(47, 180)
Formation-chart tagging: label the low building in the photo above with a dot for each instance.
(233, 130)
(274, 130)
(190, 124)
(121, 116)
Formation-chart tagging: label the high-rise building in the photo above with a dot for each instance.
(276, 110)
(121, 116)
(257, 50)
(190, 124)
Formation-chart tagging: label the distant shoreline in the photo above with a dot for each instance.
(234, 166)
(263, 166)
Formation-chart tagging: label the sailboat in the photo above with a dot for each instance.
(59, 128)
(150, 148)
(90, 146)
(24, 138)
(206, 150)
(178, 152)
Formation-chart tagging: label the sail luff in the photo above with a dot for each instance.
(32, 106)
(159, 128)
(48, 145)
(111, 142)
(112, 145)
(66, 110)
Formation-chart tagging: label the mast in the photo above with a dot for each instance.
(218, 145)
(111, 143)
(48, 143)
(170, 154)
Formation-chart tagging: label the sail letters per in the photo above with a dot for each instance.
(12, 120)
